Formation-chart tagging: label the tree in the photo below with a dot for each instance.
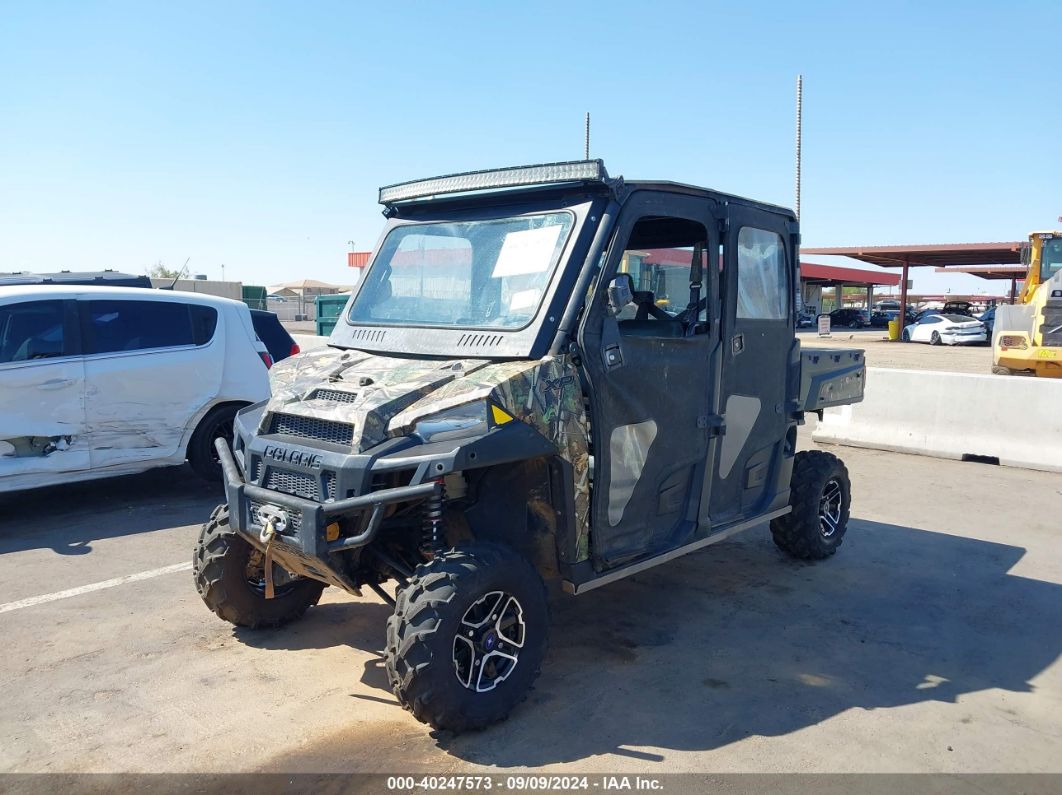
(160, 271)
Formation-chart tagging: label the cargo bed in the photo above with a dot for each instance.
(831, 377)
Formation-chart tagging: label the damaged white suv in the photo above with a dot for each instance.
(101, 381)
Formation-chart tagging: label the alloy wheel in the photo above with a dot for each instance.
(488, 641)
(830, 506)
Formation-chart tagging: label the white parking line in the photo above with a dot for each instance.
(96, 586)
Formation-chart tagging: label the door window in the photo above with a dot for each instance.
(762, 284)
(660, 256)
(111, 326)
(204, 323)
(31, 330)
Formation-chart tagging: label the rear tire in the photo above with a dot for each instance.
(467, 637)
(821, 497)
(228, 579)
(934, 338)
(202, 456)
(1000, 370)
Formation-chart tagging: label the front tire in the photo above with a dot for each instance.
(467, 637)
(821, 498)
(906, 336)
(229, 575)
(202, 456)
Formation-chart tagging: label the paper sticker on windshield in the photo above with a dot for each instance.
(525, 299)
(529, 251)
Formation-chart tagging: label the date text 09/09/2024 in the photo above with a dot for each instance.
(521, 783)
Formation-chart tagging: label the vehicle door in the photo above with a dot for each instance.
(42, 410)
(648, 365)
(150, 368)
(758, 346)
(923, 330)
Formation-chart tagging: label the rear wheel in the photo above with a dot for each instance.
(230, 577)
(1000, 370)
(467, 637)
(202, 456)
(820, 496)
(855, 324)
(934, 338)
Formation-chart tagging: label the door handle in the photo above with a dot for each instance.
(56, 383)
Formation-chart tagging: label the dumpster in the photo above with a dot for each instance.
(894, 330)
(254, 296)
(329, 308)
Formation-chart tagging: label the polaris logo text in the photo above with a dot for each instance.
(297, 457)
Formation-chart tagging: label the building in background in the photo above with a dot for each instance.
(297, 301)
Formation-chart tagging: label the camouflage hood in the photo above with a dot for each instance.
(379, 397)
(363, 390)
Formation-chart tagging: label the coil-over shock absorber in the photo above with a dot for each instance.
(432, 541)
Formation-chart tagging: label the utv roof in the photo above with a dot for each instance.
(572, 173)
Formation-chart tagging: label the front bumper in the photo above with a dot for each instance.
(301, 546)
(1045, 362)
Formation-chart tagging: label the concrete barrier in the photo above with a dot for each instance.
(1015, 420)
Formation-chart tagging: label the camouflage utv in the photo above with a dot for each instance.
(544, 373)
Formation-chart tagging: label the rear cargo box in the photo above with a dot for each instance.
(831, 377)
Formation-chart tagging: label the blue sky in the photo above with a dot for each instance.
(256, 134)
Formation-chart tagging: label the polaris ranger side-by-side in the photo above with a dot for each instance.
(544, 373)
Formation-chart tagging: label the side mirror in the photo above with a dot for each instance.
(620, 292)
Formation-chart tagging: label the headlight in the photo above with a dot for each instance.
(468, 419)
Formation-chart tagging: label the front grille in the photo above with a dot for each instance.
(296, 483)
(313, 428)
(335, 396)
(294, 518)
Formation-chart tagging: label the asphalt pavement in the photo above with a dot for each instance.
(931, 643)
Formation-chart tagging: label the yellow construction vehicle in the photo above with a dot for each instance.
(1027, 337)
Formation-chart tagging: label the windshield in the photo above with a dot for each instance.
(1051, 258)
(472, 274)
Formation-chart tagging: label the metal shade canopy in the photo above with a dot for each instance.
(833, 276)
(988, 271)
(941, 256)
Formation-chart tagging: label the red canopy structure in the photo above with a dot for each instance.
(936, 255)
(832, 276)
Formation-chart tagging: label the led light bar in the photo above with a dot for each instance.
(571, 171)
